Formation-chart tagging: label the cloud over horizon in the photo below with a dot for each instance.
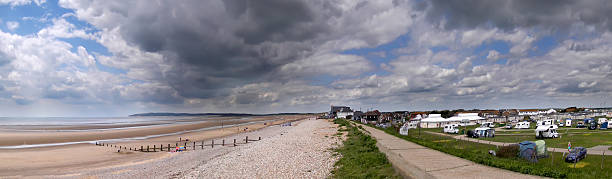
(78, 57)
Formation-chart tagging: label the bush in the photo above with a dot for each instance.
(510, 151)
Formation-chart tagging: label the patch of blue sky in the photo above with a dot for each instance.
(543, 45)
(26, 27)
(109, 69)
(93, 48)
(482, 51)
(437, 49)
(382, 53)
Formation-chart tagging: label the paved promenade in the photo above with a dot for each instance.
(415, 161)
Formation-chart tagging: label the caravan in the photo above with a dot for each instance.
(407, 126)
(488, 124)
(522, 125)
(545, 122)
(568, 122)
(546, 131)
(485, 132)
(451, 128)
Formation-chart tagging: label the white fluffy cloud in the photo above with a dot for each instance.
(232, 57)
(12, 25)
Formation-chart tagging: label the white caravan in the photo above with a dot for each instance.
(485, 132)
(451, 128)
(601, 120)
(546, 131)
(568, 122)
(407, 126)
(545, 122)
(488, 124)
(522, 125)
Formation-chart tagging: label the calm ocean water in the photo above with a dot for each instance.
(83, 120)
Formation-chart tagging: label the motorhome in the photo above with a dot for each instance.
(546, 131)
(522, 125)
(485, 132)
(451, 128)
(488, 124)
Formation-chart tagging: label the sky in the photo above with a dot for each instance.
(115, 58)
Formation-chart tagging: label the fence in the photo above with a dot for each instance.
(187, 145)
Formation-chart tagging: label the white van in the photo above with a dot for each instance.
(546, 131)
(522, 125)
(451, 128)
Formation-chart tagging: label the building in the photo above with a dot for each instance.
(344, 113)
(528, 112)
(372, 116)
(335, 109)
(357, 115)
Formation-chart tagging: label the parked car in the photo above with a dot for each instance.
(592, 125)
(580, 124)
(508, 126)
(576, 154)
(472, 134)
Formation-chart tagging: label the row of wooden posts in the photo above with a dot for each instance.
(169, 147)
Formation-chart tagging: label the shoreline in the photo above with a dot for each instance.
(23, 138)
(67, 159)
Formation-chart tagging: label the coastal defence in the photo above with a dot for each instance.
(186, 145)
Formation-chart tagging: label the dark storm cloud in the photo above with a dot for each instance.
(213, 47)
(508, 15)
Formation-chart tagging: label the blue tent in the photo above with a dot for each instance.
(527, 150)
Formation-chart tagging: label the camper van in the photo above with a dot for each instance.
(488, 124)
(451, 128)
(485, 132)
(568, 122)
(522, 125)
(546, 131)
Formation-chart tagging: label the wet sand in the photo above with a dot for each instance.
(63, 160)
(12, 138)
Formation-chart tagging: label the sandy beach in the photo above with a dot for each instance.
(72, 160)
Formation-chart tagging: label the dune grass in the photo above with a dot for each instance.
(360, 156)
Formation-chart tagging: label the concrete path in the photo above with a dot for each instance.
(415, 161)
(590, 151)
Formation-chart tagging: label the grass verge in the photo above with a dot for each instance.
(360, 156)
(593, 166)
